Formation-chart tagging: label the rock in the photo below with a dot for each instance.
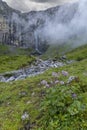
(57, 64)
(25, 116)
(21, 77)
(11, 79)
(71, 78)
(39, 67)
(70, 61)
(64, 57)
(2, 79)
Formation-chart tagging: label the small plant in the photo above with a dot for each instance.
(63, 108)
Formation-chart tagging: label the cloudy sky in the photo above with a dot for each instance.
(27, 5)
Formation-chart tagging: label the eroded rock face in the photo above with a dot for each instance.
(23, 28)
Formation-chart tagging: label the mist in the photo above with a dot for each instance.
(66, 25)
(73, 31)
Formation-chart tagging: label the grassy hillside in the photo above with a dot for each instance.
(49, 101)
(9, 63)
(13, 50)
(13, 58)
(79, 53)
(55, 51)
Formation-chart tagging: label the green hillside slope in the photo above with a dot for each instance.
(54, 100)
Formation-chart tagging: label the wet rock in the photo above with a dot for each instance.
(21, 77)
(64, 57)
(11, 79)
(56, 64)
(2, 79)
(70, 61)
(38, 68)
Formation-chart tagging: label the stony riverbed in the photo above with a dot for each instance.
(38, 67)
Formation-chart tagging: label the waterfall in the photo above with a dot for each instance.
(36, 42)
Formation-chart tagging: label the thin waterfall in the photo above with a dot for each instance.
(36, 42)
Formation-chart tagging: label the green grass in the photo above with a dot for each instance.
(13, 104)
(13, 58)
(55, 51)
(9, 63)
(48, 108)
(4, 49)
(79, 53)
(13, 50)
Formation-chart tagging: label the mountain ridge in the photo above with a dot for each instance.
(23, 27)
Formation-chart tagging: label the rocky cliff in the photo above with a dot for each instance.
(24, 28)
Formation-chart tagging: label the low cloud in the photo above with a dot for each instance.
(27, 5)
(47, 1)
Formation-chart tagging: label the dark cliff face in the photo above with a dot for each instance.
(38, 20)
(23, 26)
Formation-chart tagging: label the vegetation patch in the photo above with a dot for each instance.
(9, 63)
(54, 100)
(78, 54)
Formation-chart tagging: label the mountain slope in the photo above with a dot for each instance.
(6, 10)
(24, 29)
(32, 104)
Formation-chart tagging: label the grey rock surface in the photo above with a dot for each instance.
(39, 68)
